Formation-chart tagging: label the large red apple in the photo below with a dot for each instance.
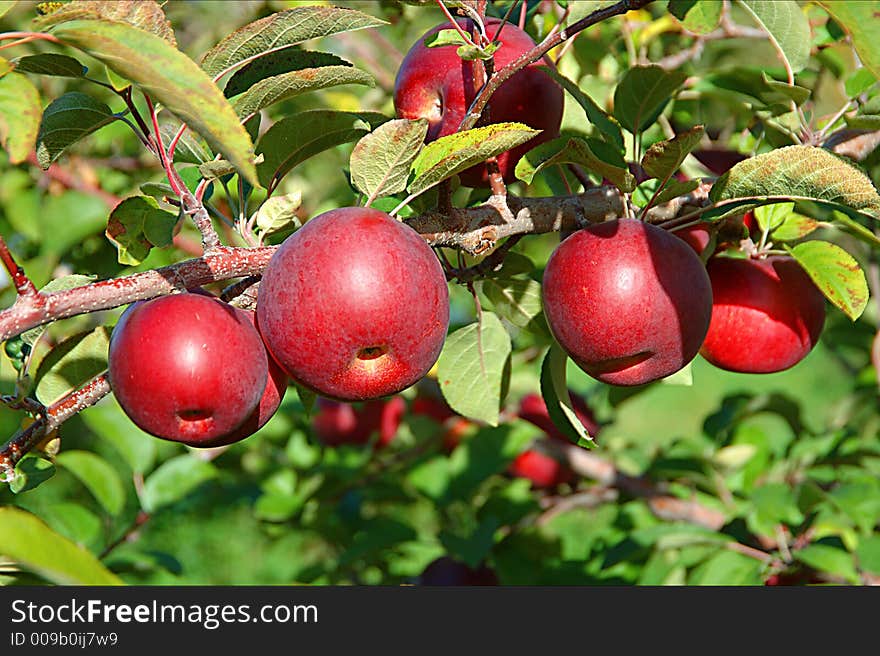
(354, 305)
(276, 386)
(628, 301)
(767, 314)
(187, 367)
(436, 84)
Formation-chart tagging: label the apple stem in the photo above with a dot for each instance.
(23, 285)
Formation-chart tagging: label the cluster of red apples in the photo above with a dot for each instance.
(355, 307)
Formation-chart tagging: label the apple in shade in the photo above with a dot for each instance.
(354, 305)
(533, 409)
(448, 572)
(187, 367)
(629, 302)
(436, 84)
(336, 423)
(276, 386)
(455, 427)
(767, 314)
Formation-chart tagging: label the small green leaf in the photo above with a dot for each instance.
(29, 473)
(783, 92)
(472, 53)
(607, 125)
(787, 26)
(823, 558)
(28, 542)
(675, 188)
(20, 113)
(50, 63)
(173, 480)
(799, 172)
(274, 89)
(859, 19)
(643, 93)
(169, 77)
(136, 225)
(66, 120)
(770, 217)
(472, 549)
(517, 300)
(282, 30)
(699, 16)
(380, 162)
(868, 553)
(836, 274)
(279, 213)
(72, 363)
(296, 138)
(473, 368)
(665, 157)
(789, 225)
(454, 153)
(278, 63)
(444, 38)
(598, 156)
(554, 389)
(97, 475)
(859, 81)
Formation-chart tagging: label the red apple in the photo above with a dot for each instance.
(187, 367)
(354, 305)
(448, 572)
(434, 83)
(533, 409)
(696, 236)
(767, 314)
(628, 301)
(337, 423)
(542, 469)
(276, 386)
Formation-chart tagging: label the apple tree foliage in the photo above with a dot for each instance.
(278, 111)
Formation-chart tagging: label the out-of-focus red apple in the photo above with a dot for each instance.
(336, 423)
(533, 409)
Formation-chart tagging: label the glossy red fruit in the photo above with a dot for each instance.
(628, 301)
(336, 423)
(533, 409)
(449, 572)
(767, 314)
(276, 386)
(187, 367)
(354, 305)
(434, 83)
(542, 469)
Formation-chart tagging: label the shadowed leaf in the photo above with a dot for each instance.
(136, 225)
(67, 120)
(597, 156)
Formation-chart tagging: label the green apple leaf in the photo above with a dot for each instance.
(6, 5)
(381, 160)
(784, 223)
(836, 274)
(642, 95)
(50, 63)
(190, 148)
(66, 120)
(444, 38)
(274, 89)
(859, 19)
(278, 63)
(173, 480)
(675, 188)
(97, 475)
(804, 172)
(136, 225)
(296, 138)
(70, 364)
(279, 213)
(516, 299)
(169, 77)
(30, 543)
(73, 521)
(282, 30)
(665, 157)
(597, 156)
(607, 125)
(829, 559)
(868, 553)
(20, 113)
(787, 26)
(454, 153)
(30, 472)
(110, 424)
(474, 367)
(699, 16)
(145, 15)
(554, 389)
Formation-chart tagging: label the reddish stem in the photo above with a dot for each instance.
(23, 284)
